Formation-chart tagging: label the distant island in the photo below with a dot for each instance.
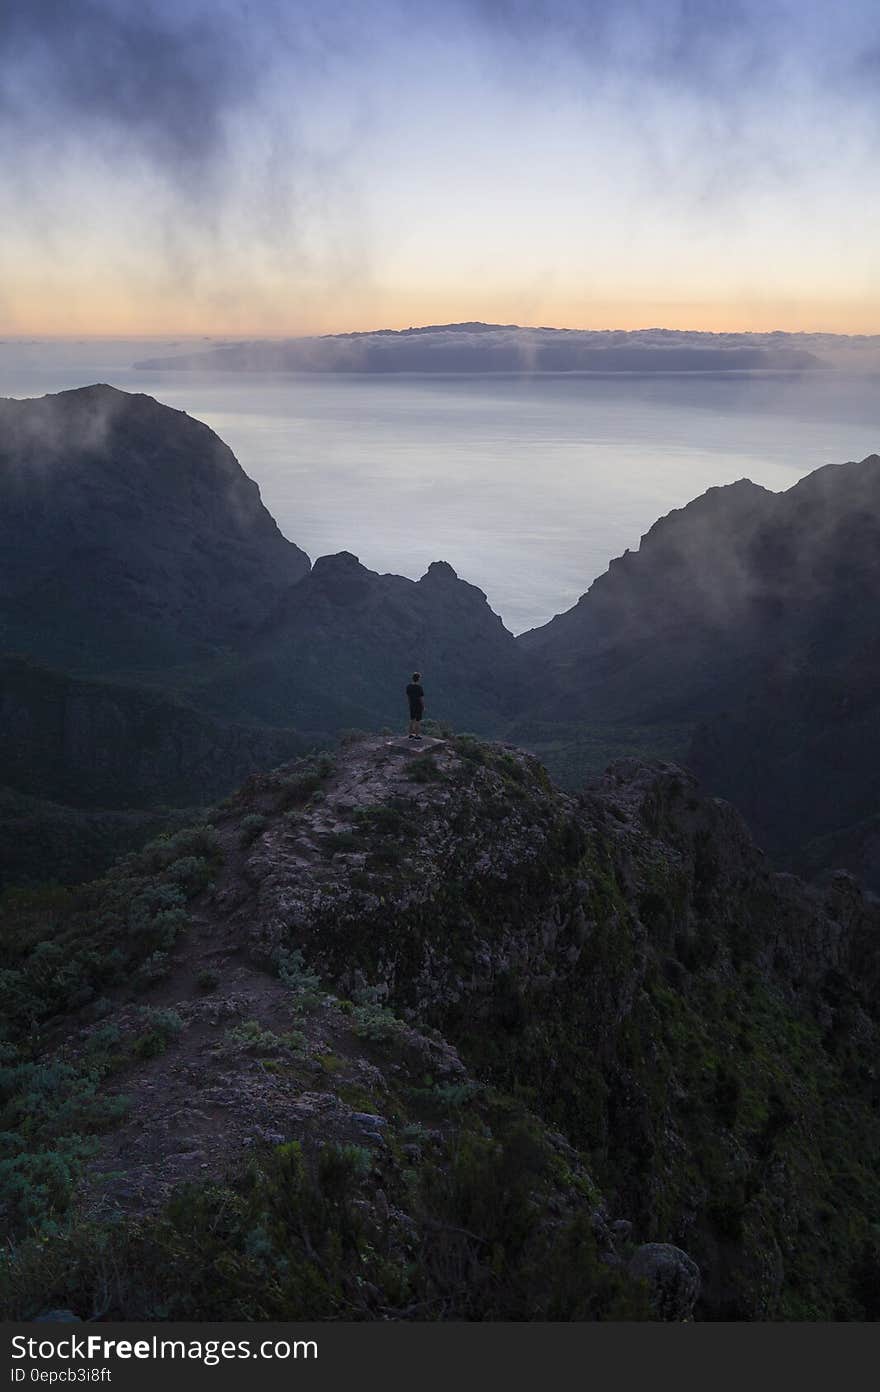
(480, 348)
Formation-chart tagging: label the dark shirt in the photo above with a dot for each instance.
(416, 694)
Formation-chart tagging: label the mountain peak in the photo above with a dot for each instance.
(439, 572)
(338, 563)
(130, 536)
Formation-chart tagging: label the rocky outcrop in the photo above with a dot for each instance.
(672, 1278)
(529, 1023)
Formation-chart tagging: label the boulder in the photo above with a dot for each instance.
(673, 1279)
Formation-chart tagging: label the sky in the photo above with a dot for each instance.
(266, 167)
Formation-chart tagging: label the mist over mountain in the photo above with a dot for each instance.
(753, 615)
(135, 548)
(557, 1000)
(398, 1026)
(739, 586)
(130, 537)
(645, 641)
(476, 347)
(740, 636)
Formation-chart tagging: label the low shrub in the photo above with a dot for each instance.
(251, 827)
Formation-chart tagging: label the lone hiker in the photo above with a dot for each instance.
(416, 697)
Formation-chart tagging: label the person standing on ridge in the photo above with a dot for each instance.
(416, 697)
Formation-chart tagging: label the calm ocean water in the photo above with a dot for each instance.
(526, 485)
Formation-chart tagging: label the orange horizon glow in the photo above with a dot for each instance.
(759, 316)
(702, 168)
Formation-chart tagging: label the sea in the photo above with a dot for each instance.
(527, 485)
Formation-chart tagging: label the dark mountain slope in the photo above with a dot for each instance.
(133, 545)
(43, 842)
(754, 614)
(89, 769)
(104, 745)
(663, 633)
(721, 594)
(130, 538)
(340, 650)
(131, 542)
(408, 1033)
(800, 752)
(801, 757)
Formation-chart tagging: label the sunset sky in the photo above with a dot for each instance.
(298, 166)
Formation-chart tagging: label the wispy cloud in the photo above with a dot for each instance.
(239, 158)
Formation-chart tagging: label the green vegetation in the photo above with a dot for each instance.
(250, 828)
(49, 1114)
(574, 753)
(250, 1034)
(643, 1013)
(305, 782)
(717, 1094)
(44, 842)
(161, 1026)
(65, 949)
(304, 984)
(300, 1235)
(424, 769)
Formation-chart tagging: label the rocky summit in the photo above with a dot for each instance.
(402, 1031)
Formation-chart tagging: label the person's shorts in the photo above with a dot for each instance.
(416, 712)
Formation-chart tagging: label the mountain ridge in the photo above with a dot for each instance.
(414, 1003)
(746, 612)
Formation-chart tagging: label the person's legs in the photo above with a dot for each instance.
(413, 726)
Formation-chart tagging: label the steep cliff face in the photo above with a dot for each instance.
(752, 616)
(132, 543)
(129, 535)
(644, 641)
(738, 588)
(415, 1003)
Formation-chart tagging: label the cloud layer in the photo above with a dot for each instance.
(297, 166)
